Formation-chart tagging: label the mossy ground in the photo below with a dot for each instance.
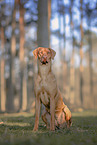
(18, 130)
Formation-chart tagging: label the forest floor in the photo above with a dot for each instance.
(17, 130)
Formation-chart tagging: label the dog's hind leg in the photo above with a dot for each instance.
(46, 117)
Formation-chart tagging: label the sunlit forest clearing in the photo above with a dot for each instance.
(70, 28)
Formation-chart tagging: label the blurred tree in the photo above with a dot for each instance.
(11, 80)
(2, 62)
(43, 30)
(63, 53)
(23, 96)
(2, 71)
(60, 11)
(89, 14)
(81, 52)
(72, 69)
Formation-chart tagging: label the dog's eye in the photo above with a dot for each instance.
(40, 52)
(48, 52)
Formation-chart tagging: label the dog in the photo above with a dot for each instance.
(55, 113)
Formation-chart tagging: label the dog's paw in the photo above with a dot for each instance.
(52, 128)
(69, 123)
(35, 129)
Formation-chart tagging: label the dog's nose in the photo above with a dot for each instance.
(44, 58)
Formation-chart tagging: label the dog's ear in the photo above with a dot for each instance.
(53, 53)
(35, 52)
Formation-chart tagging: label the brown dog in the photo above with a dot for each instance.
(56, 113)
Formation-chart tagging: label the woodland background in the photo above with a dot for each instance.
(67, 26)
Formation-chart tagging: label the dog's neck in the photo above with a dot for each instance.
(44, 70)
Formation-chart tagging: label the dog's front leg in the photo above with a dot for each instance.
(37, 113)
(52, 112)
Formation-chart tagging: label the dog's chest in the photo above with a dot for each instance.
(44, 97)
(44, 88)
(43, 84)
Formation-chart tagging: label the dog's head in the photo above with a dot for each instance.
(44, 54)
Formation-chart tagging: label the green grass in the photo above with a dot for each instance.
(17, 130)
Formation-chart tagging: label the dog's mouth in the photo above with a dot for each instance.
(44, 62)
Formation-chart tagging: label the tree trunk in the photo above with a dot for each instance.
(64, 39)
(11, 80)
(23, 93)
(72, 69)
(91, 92)
(49, 17)
(0, 84)
(90, 57)
(43, 31)
(2, 93)
(59, 24)
(64, 63)
(81, 54)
